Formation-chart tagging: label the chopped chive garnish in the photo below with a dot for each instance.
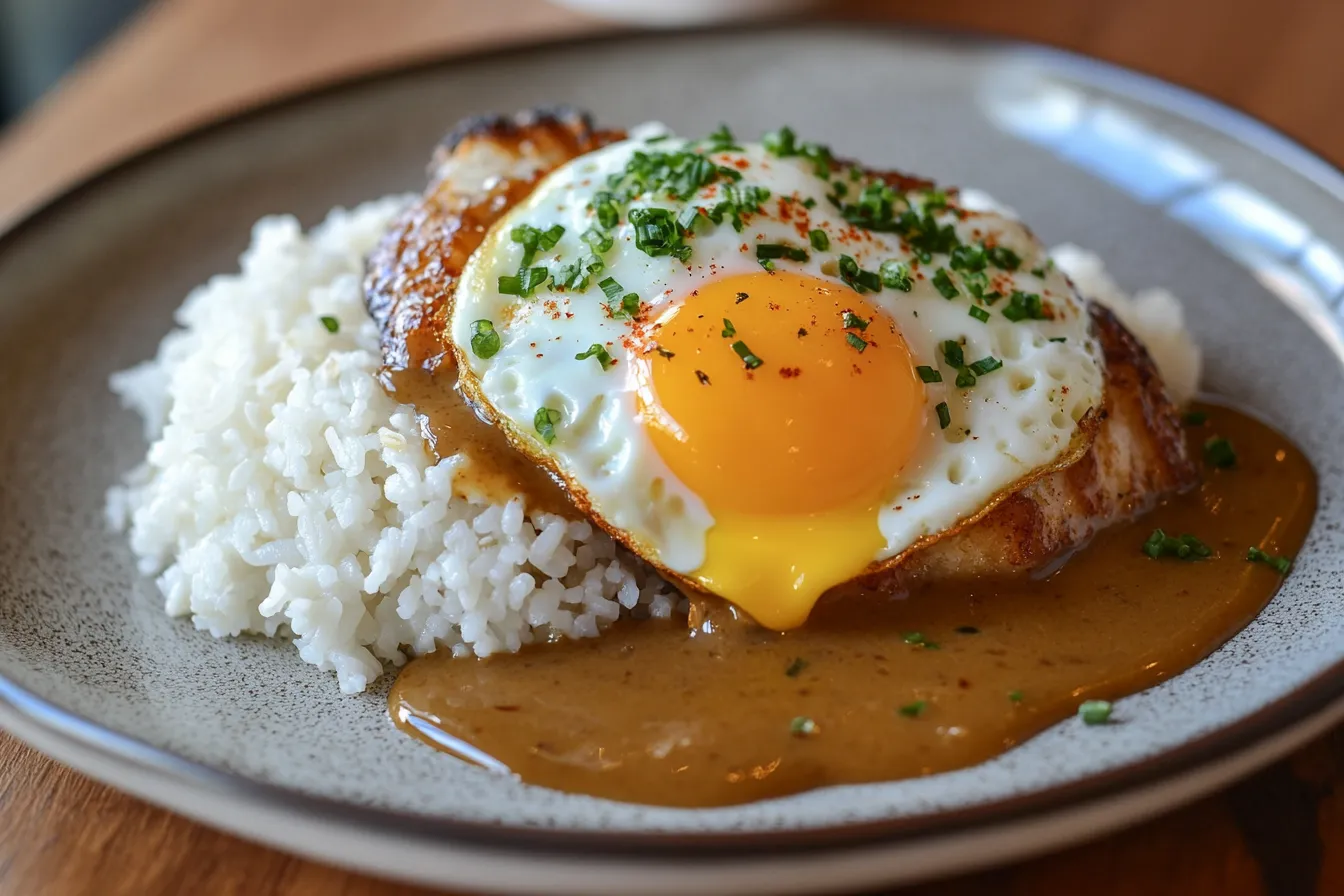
(1024, 306)
(853, 322)
(780, 250)
(987, 364)
(969, 257)
(796, 667)
(1196, 418)
(967, 630)
(729, 331)
(1279, 564)
(856, 278)
(598, 240)
(745, 354)
(782, 142)
(896, 275)
(332, 324)
(1218, 453)
(913, 710)
(1094, 712)
(596, 350)
(1005, 258)
(952, 353)
(979, 313)
(485, 342)
(657, 233)
(928, 374)
(944, 415)
(942, 282)
(1015, 696)
(524, 282)
(1186, 547)
(820, 241)
(544, 423)
(624, 308)
(802, 726)
(856, 341)
(610, 288)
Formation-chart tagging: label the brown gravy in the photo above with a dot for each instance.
(652, 713)
(495, 470)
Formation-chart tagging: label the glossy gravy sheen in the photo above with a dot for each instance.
(950, 676)
(494, 469)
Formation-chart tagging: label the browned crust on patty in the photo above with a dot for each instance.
(484, 167)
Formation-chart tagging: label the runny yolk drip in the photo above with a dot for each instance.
(791, 457)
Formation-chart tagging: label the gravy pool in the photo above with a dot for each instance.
(874, 689)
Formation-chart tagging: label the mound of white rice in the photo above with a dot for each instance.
(285, 493)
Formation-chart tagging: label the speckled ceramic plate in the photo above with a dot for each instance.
(1174, 190)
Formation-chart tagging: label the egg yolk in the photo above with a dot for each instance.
(789, 405)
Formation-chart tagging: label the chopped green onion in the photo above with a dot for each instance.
(600, 241)
(944, 415)
(942, 282)
(987, 364)
(796, 667)
(856, 278)
(952, 353)
(1186, 547)
(1024, 306)
(626, 308)
(853, 322)
(1094, 712)
(782, 142)
(485, 342)
(979, 313)
(928, 374)
(969, 257)
(1218, 453)
(332, 324)
(523, 284)
(913, 710)
(611, 289)
(896, 275)
(657, 233)
(1279, 564)
(780, 250)
(544, 423)
(856, 342)
(820, 241)
(745, 354)
(802, 726)
(1196, 418)
(1005, 258)
(729, 331)
(596, 350)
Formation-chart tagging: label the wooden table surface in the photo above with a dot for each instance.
(186, 61)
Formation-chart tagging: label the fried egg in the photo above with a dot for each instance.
(766, 372)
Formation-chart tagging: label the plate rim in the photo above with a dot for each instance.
(1312, 698)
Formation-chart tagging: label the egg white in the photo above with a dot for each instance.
(1014, 422)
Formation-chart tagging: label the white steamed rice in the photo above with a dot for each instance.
(285, 493)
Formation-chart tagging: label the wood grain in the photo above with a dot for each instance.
(186, 61)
